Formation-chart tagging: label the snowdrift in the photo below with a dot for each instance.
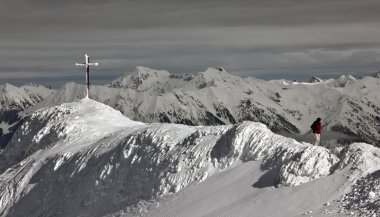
(87, 159)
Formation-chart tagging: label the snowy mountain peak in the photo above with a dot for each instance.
(347, 78)
(12, 97)
(377, 74)
(216, 76)
(343, 80)
(215, 72)
(141, 79)
(143, 71)
(315, 79)
(72, 119)
(66, 126)
(6, 86)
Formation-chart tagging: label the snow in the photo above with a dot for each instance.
(87, 159)
(13, 101)
(5, 127)
(81, 116)
(364, 198)
(141, 79)
(84, 158)
(362, 157)
(346, 105)
(215, 97)
(232, 193)
(21, 97)
(315, 80)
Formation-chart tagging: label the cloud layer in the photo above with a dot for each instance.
(268, 39)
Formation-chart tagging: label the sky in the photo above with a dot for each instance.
(41, 40)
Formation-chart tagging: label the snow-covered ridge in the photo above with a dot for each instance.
(12, 97)
(87, 153)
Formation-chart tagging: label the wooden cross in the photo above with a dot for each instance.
(87, 64)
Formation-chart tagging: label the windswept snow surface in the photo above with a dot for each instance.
(87, 159)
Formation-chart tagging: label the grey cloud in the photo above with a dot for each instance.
(246, 37)
(95, 14)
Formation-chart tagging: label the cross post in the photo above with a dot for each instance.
(87, 64)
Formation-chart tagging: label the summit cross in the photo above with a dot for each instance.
(87, 64)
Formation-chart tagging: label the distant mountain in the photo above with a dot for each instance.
(349, 107)
(343, 80)
(86, 159)
(213, 97)
(315, 80)
(13, 100)
(377, 74)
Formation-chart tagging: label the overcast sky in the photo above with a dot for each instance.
(40, 40)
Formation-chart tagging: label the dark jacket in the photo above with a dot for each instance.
(316, 127)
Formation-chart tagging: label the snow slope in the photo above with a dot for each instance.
(87, 159)
(13, 100)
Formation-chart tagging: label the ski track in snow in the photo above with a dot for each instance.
(107, 164)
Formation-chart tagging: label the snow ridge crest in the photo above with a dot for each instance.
(107, 150)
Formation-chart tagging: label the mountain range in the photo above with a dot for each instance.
(217, 151)
(349, 107)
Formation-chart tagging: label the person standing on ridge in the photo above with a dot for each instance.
(316, 127)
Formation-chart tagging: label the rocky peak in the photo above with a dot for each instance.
(343, 80)
(377, 74)
(315, 79)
